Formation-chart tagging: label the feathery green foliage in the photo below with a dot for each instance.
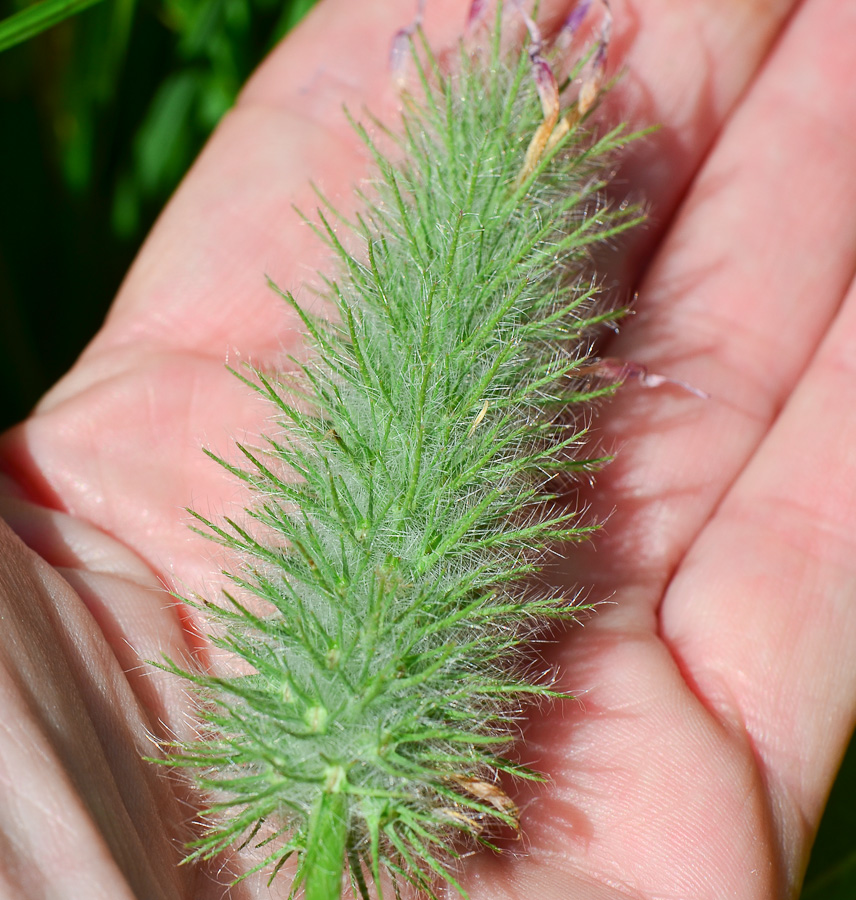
(412, 491)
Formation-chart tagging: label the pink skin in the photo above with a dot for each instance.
(716, 686)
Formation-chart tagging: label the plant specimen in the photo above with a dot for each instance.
(415, 485)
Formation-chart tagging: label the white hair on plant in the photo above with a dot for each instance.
(424, 436)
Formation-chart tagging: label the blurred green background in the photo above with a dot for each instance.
(99, 119)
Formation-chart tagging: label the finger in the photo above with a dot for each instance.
(769, 638)
(685, 67)
(141, 624)
(81, 811)
(737, 299)
(641, 764)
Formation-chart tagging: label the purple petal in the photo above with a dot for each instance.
(618, 370)
(476, 13)
(399, 48)
(575, 18)
(545, 82)
(655, 381)
(605, 37)
(595, 70)
(399, 53)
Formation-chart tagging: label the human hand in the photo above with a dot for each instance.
(718, 687)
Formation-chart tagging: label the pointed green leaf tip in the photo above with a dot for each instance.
(446, 399)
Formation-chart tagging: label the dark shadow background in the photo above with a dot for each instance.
(99, 119)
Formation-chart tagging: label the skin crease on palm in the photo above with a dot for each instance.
(717, 686)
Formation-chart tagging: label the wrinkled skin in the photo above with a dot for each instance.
(717, 685)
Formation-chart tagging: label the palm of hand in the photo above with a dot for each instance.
(697, 761)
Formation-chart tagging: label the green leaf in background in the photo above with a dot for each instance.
(292, 13)
(831, 872)
(217, 45)
(83, 98)
(101, 116)
(37, 18)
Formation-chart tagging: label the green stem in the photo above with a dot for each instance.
(325, 850)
